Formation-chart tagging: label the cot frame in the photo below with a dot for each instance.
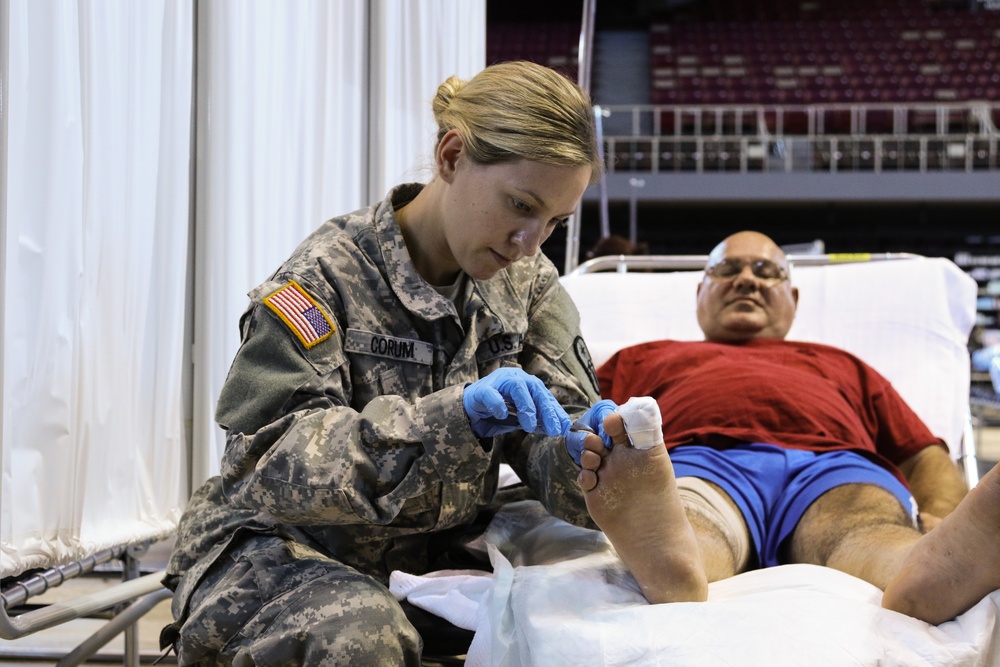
(130, 600)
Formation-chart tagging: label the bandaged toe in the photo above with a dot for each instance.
(643, 424)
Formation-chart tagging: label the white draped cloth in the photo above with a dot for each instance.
(559, 596)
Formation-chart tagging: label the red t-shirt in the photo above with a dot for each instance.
(786, 393)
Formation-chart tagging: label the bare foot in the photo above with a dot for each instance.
(632, 496)
(954, 566)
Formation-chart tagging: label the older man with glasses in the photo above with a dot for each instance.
(775, 452)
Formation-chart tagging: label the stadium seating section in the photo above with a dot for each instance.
(551, 43)
(813, 51)
(871, 84)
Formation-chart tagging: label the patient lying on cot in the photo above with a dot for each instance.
(774, 452)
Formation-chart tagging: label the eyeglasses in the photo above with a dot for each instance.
(766, 271)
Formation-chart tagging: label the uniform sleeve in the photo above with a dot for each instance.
(296, 449)
(556, 353)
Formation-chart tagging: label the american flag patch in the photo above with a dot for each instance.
(301, 313)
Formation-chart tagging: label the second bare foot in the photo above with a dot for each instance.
(953, 566)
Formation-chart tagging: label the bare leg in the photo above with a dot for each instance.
(632, 496)
(860, 529)
(953, 566)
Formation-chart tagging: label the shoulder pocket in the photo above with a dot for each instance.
(306, 317)
(301, 313)
(269, 367)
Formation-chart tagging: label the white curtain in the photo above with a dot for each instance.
(416, 46)
(281, 92)
(306, 110)
(96, 122)
(300, 111)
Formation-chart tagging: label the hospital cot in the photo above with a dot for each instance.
(558, 596)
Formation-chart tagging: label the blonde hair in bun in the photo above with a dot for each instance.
(520, 109)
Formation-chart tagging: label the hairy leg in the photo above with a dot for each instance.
(632, 496)
(953, 566)
(860, 529)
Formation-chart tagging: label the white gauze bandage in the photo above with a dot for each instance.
(701, 498)
(643, 424)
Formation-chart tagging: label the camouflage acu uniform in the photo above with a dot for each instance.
(349, 450)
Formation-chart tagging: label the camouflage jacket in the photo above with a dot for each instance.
(343, 407)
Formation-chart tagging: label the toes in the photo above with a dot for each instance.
(587, 479)
(590, 460)
(593, 443)
(614, 426)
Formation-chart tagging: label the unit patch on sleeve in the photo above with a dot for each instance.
(583, 356)
(301, 313)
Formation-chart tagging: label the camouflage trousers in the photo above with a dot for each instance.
(272, 602)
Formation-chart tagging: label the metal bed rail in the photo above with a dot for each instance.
(624, 263)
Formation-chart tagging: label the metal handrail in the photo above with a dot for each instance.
(644, 119)
(790, 153)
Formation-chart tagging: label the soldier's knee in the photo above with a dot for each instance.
(370, 629)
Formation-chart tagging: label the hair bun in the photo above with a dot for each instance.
(446, 92)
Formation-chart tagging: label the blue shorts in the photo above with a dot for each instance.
(774, 486)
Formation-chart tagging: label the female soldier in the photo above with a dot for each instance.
(386, 370)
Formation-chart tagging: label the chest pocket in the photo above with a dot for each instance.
(382, 364)
(390, 381)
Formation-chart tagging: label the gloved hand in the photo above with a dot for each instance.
(535, 409)
(594, 420)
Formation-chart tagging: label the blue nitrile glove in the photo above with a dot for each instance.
(486, 402)
(592, 419)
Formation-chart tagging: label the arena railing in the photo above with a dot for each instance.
(828, 138)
